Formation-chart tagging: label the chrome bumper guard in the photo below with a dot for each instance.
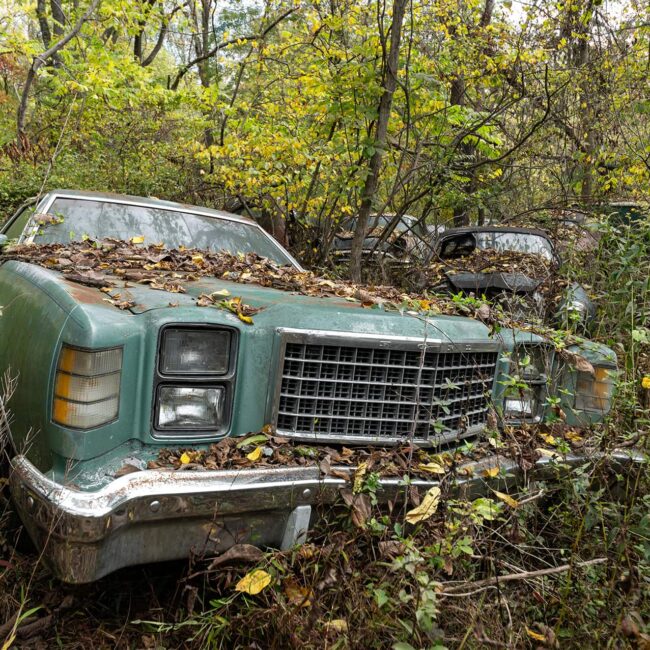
(153, 515)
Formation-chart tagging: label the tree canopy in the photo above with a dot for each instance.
(306, 113)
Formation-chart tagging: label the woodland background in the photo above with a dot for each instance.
(303, 114)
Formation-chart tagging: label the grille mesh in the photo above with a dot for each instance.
(361, 392)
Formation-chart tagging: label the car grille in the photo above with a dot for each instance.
(358, 393)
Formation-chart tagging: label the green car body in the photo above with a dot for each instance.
(63, 480)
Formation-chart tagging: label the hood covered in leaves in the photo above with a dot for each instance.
(141, 278)
(491, 269)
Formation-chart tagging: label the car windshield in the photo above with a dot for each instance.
(72, 219)
(518, 242)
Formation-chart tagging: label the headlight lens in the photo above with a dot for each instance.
(195, 352)
(87, 387)
(594, 393)
(529, 362)
(521, 403)
(190, 407)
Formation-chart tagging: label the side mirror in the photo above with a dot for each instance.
(3, 241)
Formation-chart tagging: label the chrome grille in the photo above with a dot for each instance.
(344, 391)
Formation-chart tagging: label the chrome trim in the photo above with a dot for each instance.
(287, 335)
(156, 515)
(214, 214)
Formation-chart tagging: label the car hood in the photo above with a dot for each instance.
(291, 309)
(94, 310)
(516, 282)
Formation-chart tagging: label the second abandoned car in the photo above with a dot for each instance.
(108, 380)
(513, 266)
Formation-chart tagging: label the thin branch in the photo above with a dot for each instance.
(39, 61)
(242, 39)
(511, 577)
(164, 28)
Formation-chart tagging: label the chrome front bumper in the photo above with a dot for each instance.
(154, 515)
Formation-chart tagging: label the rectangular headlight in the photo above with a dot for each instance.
(87, 387)
(190, 407)
(594, 393)
(195, 352)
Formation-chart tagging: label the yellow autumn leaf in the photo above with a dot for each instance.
(254, 582)
(548, 453)
(244, 319)
(573, 436)
(645, 382)
(358, 477)
(426, 509)
(491, 472)
(535, 635)
(221, 292)
(338, 625)
(506, 498)
(432, 467)
(185, 458)
(197, 259)
(549, 438)
(139, 239)
(296, 594)
(256, 454)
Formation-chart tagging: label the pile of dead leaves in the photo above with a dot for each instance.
(262, 450)
(111, 263)
(265, 450)
(551, 286)
(492, 261)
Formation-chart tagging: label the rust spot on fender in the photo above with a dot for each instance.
(82, 293)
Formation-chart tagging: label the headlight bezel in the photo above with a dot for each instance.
(537, 382)
(200, 380)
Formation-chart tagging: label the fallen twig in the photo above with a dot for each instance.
(511, 577)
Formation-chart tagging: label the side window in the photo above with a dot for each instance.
(18, 223)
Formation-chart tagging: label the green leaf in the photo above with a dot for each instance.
(252, 440)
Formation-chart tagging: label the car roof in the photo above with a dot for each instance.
(147, 202)
(471, 229)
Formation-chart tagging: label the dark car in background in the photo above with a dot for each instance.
(514, 266)
(403, 238)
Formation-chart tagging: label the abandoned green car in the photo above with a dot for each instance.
(105, 381)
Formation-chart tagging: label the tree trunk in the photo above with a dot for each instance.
(59, 18)
(374, 166)
(41, 13)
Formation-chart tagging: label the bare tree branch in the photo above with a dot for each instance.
(39, 61)
(241, 39)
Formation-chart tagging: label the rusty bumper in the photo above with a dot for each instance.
(155, 515)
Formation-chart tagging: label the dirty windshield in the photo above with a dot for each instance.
(515, 241)
(72, 219)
